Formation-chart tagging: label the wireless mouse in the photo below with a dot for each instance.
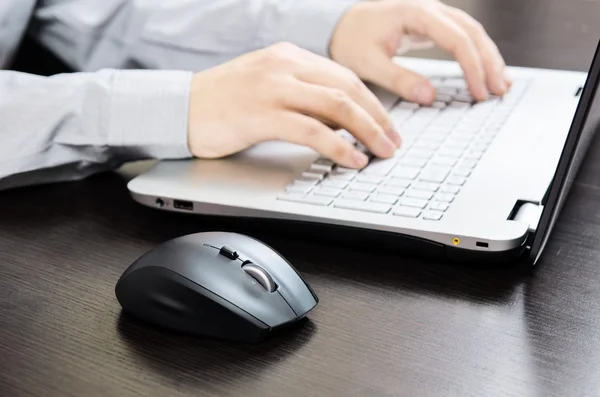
(216, 284)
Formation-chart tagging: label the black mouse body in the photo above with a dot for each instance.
(216, 284)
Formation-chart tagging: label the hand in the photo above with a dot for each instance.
(285, 93)
(369, 34)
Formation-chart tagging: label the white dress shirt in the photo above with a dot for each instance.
(134, 59)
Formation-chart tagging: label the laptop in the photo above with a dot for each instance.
(472, 181)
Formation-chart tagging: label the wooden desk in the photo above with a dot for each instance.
(386, 325)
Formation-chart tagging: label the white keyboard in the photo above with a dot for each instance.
(442, 145)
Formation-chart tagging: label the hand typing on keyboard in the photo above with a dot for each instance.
(442, 145)
(371, 32)
(287, 93)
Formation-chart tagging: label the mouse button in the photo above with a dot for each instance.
(260, 275)
(228, 253)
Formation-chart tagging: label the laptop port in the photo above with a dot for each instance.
(183, 205)
(482, 244)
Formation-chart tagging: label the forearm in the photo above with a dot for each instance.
(66, 127)
(176, 34)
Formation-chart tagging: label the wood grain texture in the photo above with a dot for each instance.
(387, 325)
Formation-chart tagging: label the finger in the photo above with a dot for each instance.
(330, 74)
(308, 131)
(493, 63)
(426, 19)
(336, 107)
(407, 84)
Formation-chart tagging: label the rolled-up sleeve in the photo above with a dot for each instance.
(180, 34)
(68, 126)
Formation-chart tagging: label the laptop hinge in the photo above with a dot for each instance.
(529, 214)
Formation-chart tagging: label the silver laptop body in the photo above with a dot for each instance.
(468, 176)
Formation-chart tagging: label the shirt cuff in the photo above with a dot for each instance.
(148, 114)
(309, 24)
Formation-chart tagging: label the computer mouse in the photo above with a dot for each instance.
(216, 284)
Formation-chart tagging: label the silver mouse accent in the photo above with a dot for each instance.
(260, 275)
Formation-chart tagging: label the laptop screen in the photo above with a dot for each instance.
(583, 128)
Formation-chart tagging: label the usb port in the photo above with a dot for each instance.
(183, 205)
(482, 244)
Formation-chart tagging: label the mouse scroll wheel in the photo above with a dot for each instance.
(260, 275)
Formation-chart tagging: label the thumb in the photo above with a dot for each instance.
(403, 82)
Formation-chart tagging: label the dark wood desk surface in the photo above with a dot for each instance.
(386, 325)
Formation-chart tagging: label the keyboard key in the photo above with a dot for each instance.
(379, 166)
(408, 105)
(384, 199)
(344, 170)
(461, 172)
(421, 153)
(443, 197)
(407, 212)
(372, 179)
(313, 175)
(413, 162)
(397, 182)
(450, 189)
(455, 83)
(424, 144)
(396, 191)
(447, 161)
(456, 144)
(456, 104)
(438, 105)
(434, 174)
(439, 206)
(420, 194)
(426, 186)
(399, 115)
(412, 202)
(473, 155)
(443, 98)
(468, 164)
(362, 187)
(326, 191)
(363, 206)
(340, 177)
(432, 137)
(456, 180)
(299, 188)
(306, 199)
(451, 153)
(324, 161)
(432, 215)
(355, 195)
(306, 181)
(463, 98)
(447, 90)
(405, 172)
(333, 183)
(320, 168)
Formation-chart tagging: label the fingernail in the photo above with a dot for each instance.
(394, 136)
(423, 93)
(360, 159)
(507, 79)
(500, 87)
(385, 147)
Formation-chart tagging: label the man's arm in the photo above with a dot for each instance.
(180, 34)
(66, 127)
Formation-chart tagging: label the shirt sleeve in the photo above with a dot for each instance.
(179, 34)
(68, 126)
